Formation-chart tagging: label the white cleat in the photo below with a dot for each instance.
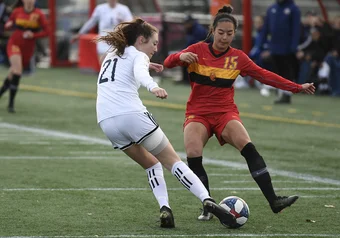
(265, 92)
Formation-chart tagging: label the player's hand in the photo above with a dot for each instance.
(75, 38)
(28, 35)
(308, 88)
(8, 24)
(160, 92)
(300, 54)
(265, 54)
(189, 57)
(157, 67)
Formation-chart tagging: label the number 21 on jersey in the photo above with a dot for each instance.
(109, 71)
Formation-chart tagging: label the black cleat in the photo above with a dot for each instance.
(282, 202)
(285, 99)
(226, 218)
(166, 217)
(11, 110)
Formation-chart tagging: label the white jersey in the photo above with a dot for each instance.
(118, 83)
(107, 18)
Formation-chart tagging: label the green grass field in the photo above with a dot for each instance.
(59, 176)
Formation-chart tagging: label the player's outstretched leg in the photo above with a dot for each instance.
(167, 218)
(196, 165)
(4, 87)
(158, 186)
(225, 217)
(259, 172)
(281, 202)
(194, 185)
(13, 88)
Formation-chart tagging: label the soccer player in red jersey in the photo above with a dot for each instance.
(29, 23)
(210, 110)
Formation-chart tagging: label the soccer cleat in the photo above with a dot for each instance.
(11, 110)
(285, 99)
(225, 217)
(281, 203)
(166, 217)
(265, 92)
(205, 215)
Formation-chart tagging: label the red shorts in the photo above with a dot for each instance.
(25, 50)
(215, 123)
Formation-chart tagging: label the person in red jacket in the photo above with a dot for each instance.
(29, 23)
(213, 68)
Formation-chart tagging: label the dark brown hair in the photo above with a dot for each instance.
(126, 34)
(223, 15)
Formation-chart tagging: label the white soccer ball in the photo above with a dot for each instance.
(238, 207)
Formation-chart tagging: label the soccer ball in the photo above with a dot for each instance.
(238, 207)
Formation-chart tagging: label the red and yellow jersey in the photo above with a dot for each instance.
(213, 76)
(34, 21)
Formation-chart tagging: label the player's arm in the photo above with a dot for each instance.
(10, 22)
(182, 58)
(89, 24)
(157, 67)
(94, 19)
(248, 67)
(142, 75)
(44, 27)
(127, 16)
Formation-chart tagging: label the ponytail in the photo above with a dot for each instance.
(126, 33)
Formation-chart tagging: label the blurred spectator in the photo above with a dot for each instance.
(260, 54)
(329, 73)
(107, 16)
(282, 23)
(306, 23)
(336, 32)
(326, 32)
(311, 58)
(194, 32)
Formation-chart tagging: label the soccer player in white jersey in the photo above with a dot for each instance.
(131, 128)
(107, 16)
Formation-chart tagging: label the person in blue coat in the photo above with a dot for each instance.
(195, 32)
(260, 54)
(283, 26)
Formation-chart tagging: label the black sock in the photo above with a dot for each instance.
(13, 88)
(258, 170)
(195, 164)
(5, 86)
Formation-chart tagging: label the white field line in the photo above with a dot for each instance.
(224, 163)
(173, 189)
(274, 181)
(96, 152)
(49, 143)
(184, 235)
(61, 157)
(229, 174)
(57, 134)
